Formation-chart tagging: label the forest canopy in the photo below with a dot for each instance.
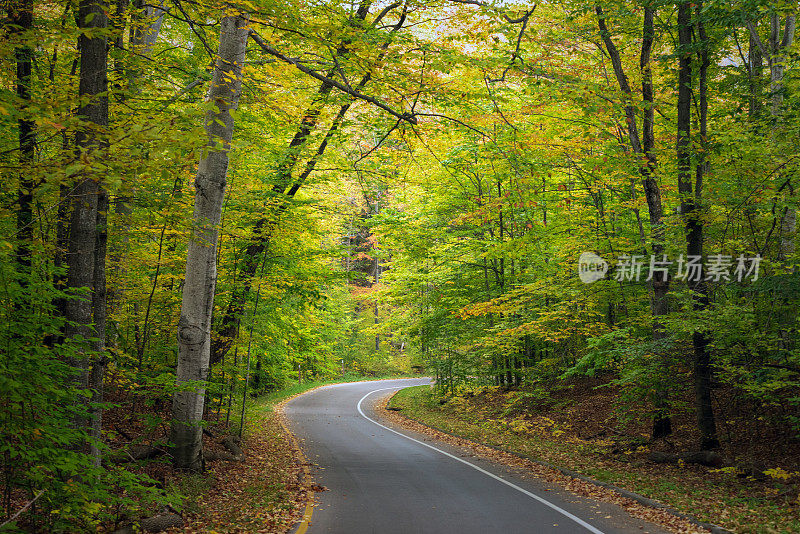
(204, 201)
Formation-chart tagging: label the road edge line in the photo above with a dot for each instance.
(302, 526)
(641, 499)
(535, 497)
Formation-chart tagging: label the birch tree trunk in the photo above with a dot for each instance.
(194, 327)
(780, 45)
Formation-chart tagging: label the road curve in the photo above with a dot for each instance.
(385, 481)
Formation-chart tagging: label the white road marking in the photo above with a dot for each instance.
(533, 496)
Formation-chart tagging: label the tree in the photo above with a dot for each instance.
(645, 146)
(775, 50)
(21, 21)
(284, 185)
(691, 199)
(85, 310)
(194, 327)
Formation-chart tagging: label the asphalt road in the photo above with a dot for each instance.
(386, 481)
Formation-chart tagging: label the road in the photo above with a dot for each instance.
(386, 481)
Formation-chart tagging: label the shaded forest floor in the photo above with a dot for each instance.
(262, 492)
(256, 487)
(254, 484)
(577, 426)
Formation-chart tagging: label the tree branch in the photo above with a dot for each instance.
(28, 505)
(757, 39)
(408, 117)
(516, 55)
(788, 32)
(622, 79)
(385, 12)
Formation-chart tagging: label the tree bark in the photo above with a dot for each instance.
(20, 16)
(659, 305)
(691, 205)
(194, 327)
(755, 73)
(147, 26)
(780, 46)
(85, 267)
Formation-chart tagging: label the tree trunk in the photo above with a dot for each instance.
(691, 198)
(659, 305)
(755, 73)
(21, 21)
(194, 327)
(775, 51)
(84, 263)
(98, 368)
(377, 309)
(288, 187)
(779, 47)
(147, 26)
(703, 371)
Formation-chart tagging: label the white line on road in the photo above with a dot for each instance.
(578, 520)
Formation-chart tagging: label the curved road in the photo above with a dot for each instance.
(386, 481)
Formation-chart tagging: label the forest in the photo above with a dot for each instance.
(204, 201)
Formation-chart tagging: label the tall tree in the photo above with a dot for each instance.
(85, 265)
(20, 15)
(692, 34)
(775, 50)
(644, 146)
(194, 327)
(285, 185)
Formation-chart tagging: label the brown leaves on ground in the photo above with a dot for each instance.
(579, 426)
(579, 487)
(266, 492)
